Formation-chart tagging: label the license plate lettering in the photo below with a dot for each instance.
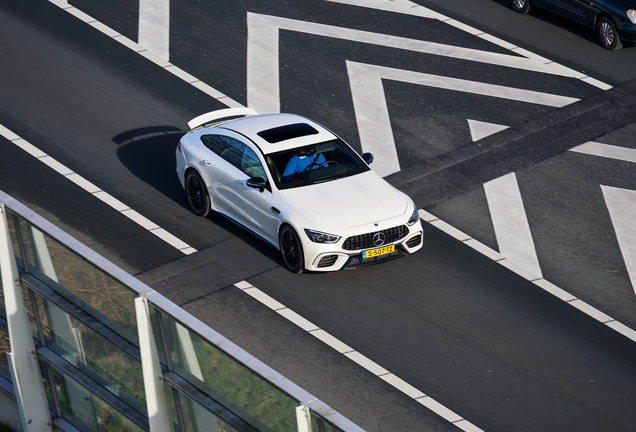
(379, 251)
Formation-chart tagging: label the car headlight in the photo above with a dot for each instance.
(321, 237)
(414, 217)
(631, 14)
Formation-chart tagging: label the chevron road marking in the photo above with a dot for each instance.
(408, 7)
(510, 222)
(507, 213)
(606, 151)
(263, 82)
(372, 115)
(621, 204)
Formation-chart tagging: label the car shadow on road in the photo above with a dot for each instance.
(149, 154)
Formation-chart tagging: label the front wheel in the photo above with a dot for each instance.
(291, 250)
(522, 6)
(197, 194)
(607, 34)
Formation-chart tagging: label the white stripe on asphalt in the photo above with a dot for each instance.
(510, 222)
(154, 27)
(372, 114)
(410, 8)
(607, 151)
(97, 192)
(154, 57)
(621, 204)
(521, 271)
(263, 86)
(358, 358)
(479, 129)
(507, 212)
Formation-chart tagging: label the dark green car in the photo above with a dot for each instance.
(614, 21)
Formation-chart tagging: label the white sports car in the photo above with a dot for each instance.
(296, 185)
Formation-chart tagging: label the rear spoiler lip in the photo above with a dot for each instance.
(212, 116)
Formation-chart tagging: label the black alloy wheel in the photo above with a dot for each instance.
(291, 250)
(607, 34)
(522, 6)
(197, 194)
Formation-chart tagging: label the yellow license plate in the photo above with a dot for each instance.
(379, 251)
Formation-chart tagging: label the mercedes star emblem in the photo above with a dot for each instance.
(379, 238)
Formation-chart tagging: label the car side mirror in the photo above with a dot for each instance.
(368, 158)
(257, 183)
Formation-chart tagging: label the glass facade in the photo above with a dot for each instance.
(227, 381)
(104, 349)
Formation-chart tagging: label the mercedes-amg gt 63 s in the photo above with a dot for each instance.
(298, 186)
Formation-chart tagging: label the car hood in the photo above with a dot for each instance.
(351, 201)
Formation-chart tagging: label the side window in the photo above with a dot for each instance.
(251, 165)
(228, 148)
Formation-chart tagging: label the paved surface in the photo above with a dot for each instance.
(482, 341)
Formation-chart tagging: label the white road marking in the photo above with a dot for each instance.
(358, 358)
(410, 8)
(507, 212)
(96, 192)
(621, 204)
(154, 27)
(263, 82)
(510, 222)
(540, 282)
(155, 58)
(372, 115)
(479, 129)
(607, 151)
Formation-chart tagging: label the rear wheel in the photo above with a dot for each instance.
(197, 194)
(522, 6)
(607, 34)
(291, 250)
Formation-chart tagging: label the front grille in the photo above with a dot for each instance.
(365, 241)
(414, 241)
(327, 261)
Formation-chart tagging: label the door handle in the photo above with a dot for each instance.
(205, 162)
(240, 182)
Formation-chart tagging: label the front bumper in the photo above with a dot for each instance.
(340, 259)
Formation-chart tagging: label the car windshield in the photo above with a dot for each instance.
(314, 164)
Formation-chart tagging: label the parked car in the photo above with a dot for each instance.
(614, 21)
(298, 186)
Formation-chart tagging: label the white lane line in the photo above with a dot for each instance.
(510, 222)
(263, 81)
(154, 27)
(152, 56)
(607, 151)
(358, 358)
(410, 8)
(96, 192)
(521, 271)
(372, 113)
(621, 204)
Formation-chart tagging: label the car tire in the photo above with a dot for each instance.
(607, 34)
(522, 6)
(197, 194)
(291, 250)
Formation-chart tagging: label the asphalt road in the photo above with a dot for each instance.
(481, 340)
